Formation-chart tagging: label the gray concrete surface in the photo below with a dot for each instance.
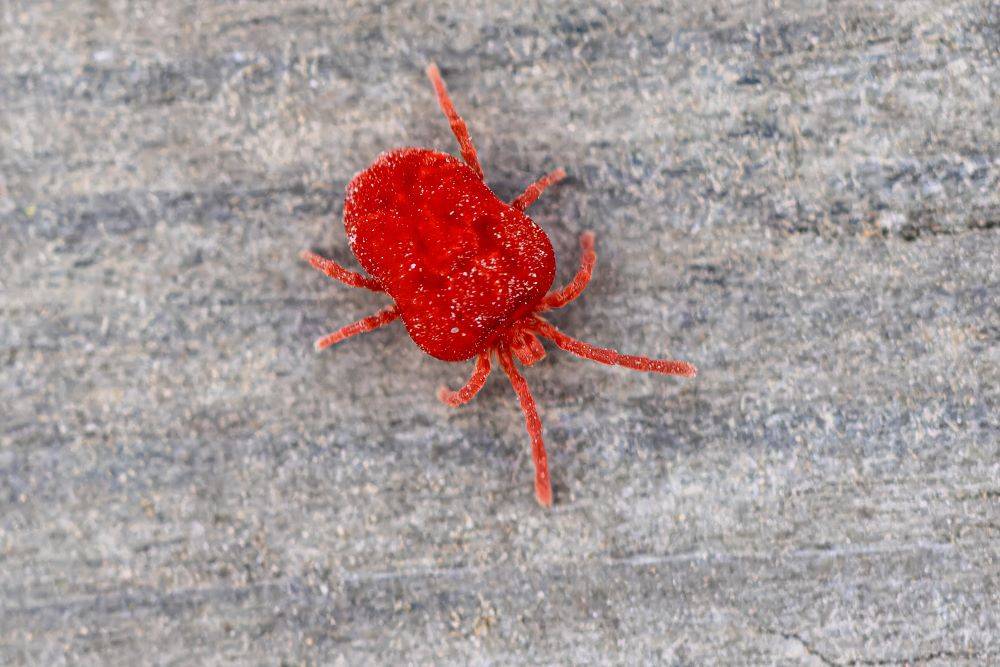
(802, 198)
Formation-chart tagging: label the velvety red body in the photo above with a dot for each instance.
(460, 264)
(468, 274)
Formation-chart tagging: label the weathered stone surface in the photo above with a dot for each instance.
(802, 198)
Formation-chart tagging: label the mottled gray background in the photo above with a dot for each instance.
(802, 198)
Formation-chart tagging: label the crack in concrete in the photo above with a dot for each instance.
(827, 660)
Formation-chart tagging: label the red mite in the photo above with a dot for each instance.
(468, 273)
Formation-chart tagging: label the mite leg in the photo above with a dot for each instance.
(560, 298)
(472, 387)
(457, 124)
(370, 323)
(337, 272)
(543, 486)
(610, 357)
(526, 348)
(531, 193)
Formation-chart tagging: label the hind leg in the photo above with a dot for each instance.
(457, 124)
(337, 272)
(531, 193)
(588, 260)
(370, 323)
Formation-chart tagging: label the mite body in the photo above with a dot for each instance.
(469, 274)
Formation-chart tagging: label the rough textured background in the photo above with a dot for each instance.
(800, 197)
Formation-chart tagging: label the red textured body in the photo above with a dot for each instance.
(460, 264)
(468, 274)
